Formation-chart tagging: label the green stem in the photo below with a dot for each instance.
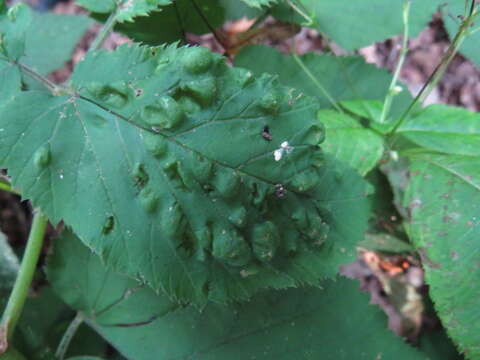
(104, 32)
(19, 293)
(439, 71)
(68, 336)
(316, 82)
(403, 53)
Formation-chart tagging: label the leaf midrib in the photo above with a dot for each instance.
(176, 142)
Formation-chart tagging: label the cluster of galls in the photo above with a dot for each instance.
(238, 218)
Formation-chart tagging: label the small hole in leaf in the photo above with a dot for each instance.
(109, 225)
(266, 133)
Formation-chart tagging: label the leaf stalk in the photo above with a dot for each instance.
(392, 92)
(68, 336)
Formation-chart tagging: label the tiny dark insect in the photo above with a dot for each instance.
(266, 133)
(280, 191)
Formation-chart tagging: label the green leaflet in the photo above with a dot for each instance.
(445, 129)
(27, 36)
(175, 20)
(126, 10)
(292, 324)
(441, 198)
(342, 77)
(444, 201)
(10, 81)
(350, 142)
(13, 25)
(45, 55)
(164, 156)
(182, 17)
(339, 19)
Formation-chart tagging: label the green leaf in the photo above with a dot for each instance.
(10, 82)
(450, 15)
(45, 55)
(445, 129)
(292, 324)
(27, 37)
(355, 24)
(13, 26)
(162, 165)
(260, 3)
(350, 142)
(342, 77)
(443, 196)
(176, 19)
(126, 10)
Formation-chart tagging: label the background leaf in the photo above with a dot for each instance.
(12, 38)
(175, 20)
(343, 77)
(45, 55)
(442, 202)
(125, 10)
(348, 141)
(443, 197)
(444, 129)
(147, 137)
(296, 323)
(338, 19)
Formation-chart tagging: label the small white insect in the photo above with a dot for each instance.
(285, 148)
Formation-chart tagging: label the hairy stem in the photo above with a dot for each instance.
(68, 336)
(403, 53)
(14, 308)
(462, 33)
(316, 82)
(104, 32)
